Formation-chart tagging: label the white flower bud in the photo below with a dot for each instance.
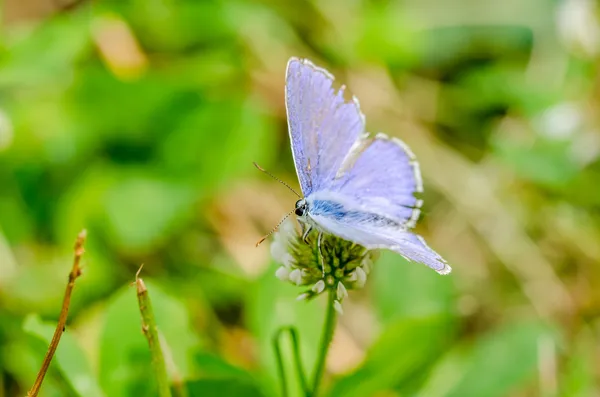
(287, 260)
(278, 250)
(319, 287)
(367, 265)
(338, 307)
(341, 291)
(303, 296)
(358, 276)
(296, 277)
(282, 273)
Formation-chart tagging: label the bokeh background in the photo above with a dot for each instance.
(139, 120)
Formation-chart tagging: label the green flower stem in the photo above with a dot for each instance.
(297, 360)
(326, 338)
(151, 332)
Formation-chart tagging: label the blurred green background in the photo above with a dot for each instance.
(139, 120)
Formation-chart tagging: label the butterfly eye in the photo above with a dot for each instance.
(300, 207)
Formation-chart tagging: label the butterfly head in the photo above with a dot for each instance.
(301, 207)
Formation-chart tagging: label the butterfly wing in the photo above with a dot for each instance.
(322, 125)
(383, 175)
(366, 229)
(371, 201)
(361, 189)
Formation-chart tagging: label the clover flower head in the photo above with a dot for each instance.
(321, 264)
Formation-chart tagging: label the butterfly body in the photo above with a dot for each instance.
(356, 186)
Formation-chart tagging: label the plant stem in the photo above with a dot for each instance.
(62, 319)
(326, 338)
(151, 332)
(279, 359)
(297, 360)
(178, 384)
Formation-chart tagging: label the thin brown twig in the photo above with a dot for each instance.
(62, 319)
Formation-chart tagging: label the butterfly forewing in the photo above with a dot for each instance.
(322, 125)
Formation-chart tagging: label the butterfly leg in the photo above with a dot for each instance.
(306, 232)
(319, 239)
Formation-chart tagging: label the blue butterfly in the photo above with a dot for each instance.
(357, 187)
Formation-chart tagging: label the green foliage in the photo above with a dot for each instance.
(139, 120)
(74, 367)
(222, 387)
(401, 353)
(405, 290)
(502, 361)
(124, 362)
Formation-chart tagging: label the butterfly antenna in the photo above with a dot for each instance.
(275, 228)
(277, 179)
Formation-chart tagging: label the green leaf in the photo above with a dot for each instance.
(546, 162)
(578, 377)
(404, 350)
(110, 111)
(124, 353)
(214, 366)
(176, 27)
(24, 370)
(404, 289)
(407, 291)
(69, 357)
(141, 211)
(397, 39)
(46, 55)
(222, 387)
(494, 365)
(137, 208)
(195, 152)
(215, 371)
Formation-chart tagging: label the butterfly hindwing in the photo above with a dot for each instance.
(372, 203)
(366, 229)
(383, 175)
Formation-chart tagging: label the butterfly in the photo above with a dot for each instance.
(358, 187)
